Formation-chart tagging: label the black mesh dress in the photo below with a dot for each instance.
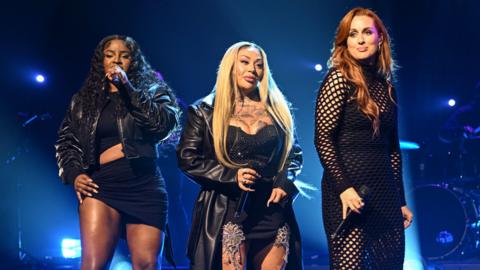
(352, 156)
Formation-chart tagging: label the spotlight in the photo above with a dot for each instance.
(451, 102)
(71, 248)
(318, 67)
(40, 78)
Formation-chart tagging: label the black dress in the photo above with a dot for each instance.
(134, 187)
(352, 156)
(260, 152)
(265, 225)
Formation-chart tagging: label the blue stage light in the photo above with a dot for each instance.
(415, 264)
(405, 145)
(318, 67)
(123, 265)
(40, 78)
(451, 102)
(71, 248)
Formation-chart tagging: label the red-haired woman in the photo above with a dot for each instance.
(356, 137)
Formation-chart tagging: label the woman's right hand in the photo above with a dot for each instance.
(351, 199)
(246, 176)
(83, 186)
(116, 70)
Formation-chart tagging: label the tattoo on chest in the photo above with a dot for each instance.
(250, 116)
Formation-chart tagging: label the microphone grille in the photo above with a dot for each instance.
(364, 192)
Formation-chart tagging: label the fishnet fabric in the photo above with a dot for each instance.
(351, 157)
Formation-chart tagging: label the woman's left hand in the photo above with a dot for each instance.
(277, 195)
(407, 217)
(116, 71)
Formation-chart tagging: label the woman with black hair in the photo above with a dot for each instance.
(107, 150)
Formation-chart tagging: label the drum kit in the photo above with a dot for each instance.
(447, 199)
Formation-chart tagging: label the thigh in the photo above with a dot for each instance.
(234, 261)
(234, 248)
(145, 242)
(350, 251)
(274, 255)
(275, 258)
(99, 229)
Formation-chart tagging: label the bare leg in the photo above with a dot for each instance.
(276, 258)
(99, 229)
(233, 247)
(145, 243)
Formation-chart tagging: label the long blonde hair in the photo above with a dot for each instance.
(351, 69)
(226, 90)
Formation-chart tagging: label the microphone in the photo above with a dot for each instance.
(258, 166)
(364, 193)
(241, 203)
(115, 79)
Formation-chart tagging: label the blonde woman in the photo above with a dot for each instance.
(240, 139)
(356, 137)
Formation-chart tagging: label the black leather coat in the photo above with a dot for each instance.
(151, 116)
(196, 158)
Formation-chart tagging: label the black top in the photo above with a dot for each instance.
(258, 150)
(107, 128)
(261, 152)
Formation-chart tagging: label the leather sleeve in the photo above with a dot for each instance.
(68, 151)
(155, 110)
(195, 161)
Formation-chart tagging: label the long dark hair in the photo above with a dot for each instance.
(140, 73)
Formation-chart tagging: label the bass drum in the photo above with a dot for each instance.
(446, 219)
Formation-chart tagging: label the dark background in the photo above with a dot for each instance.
(435, 42)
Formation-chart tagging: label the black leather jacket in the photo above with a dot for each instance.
(196, 158)
(151, 116)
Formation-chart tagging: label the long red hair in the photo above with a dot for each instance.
(351, 69)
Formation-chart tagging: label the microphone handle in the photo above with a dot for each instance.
(342, 224)
(364, 193)
(241, 203)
